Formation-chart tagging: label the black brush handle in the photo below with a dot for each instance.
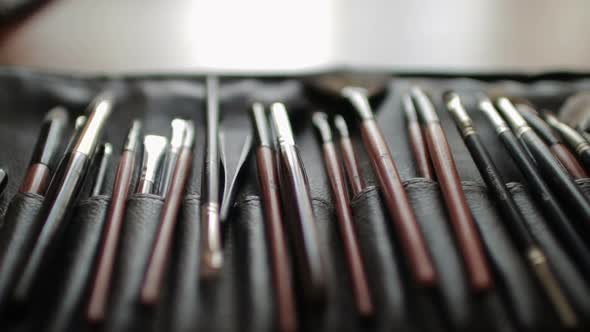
(558, 177)
(547, 201)
(497, 186)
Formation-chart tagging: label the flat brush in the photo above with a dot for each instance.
(64, 189)
(97, 304)
(460, 214)
(153, 152)
(559, 150)
(160, 257)
(513, 217)
(349, 157)
(178, 128)
(417, 141)
(573, 138)
(356, 266)
(540, 191)
(297, 198)
(45, 154)
(104, 154)
(268, 179)
(396, 199)
(547, 164)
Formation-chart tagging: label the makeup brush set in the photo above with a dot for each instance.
(333, 203)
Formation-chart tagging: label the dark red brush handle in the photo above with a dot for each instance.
(460, 214)
(419, 150)
(283, 284)
(36, 180)
(351, 166)
(100, 289)
(360, 286)
(398, 205)
(569, 161)
(158, 263)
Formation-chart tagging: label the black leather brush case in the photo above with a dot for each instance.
(242, 298)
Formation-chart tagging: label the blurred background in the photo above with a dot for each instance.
(297, 37)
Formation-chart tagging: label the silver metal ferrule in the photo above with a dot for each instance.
(359, 99)
(178, 133)
(510, 113)
(569, 134)
(462, 119)
(100, 111)
(132, 142)
(424, 106)
(153, 152)
(341, 126)
(189, 137)
(486, 106)
(320, 120)
(281, 124)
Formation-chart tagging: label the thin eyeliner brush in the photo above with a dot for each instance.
(417, 141)
(349, 157)
(45, 154)
(539, 189)
(356, 266)
(547, 164)
(3, 181)
(57, 208)
(268, 179)
(212, 252)
(160, 257)
(396, 198)
(460, 214)
(105, 152)
(576, 141)
(559, 150)
(99, 292)
(513, 217)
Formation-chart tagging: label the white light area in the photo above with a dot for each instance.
(295, 37)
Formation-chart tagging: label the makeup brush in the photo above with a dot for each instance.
(540, 191)
(356, 266)
(515, 221)
(103, 155)
(64, 189)
(268, 179)
(553, 172)
(99, 292)
(153, 152)
(212, 251)
(173, 150)
(576, 141)
(160, 257)
(297, 198)
(461, 217)
(349, 157)
(417, 141)
(559, 150)
(396, 198)
(46, 152)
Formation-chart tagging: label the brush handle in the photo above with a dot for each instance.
(398, 205)
(545, 198)
(100, 288)
(507, 206)
(419, 150)
(283, 284)
(351, 166)
(568, 160)
(557, 176)
(462, 221)
(356, 266)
